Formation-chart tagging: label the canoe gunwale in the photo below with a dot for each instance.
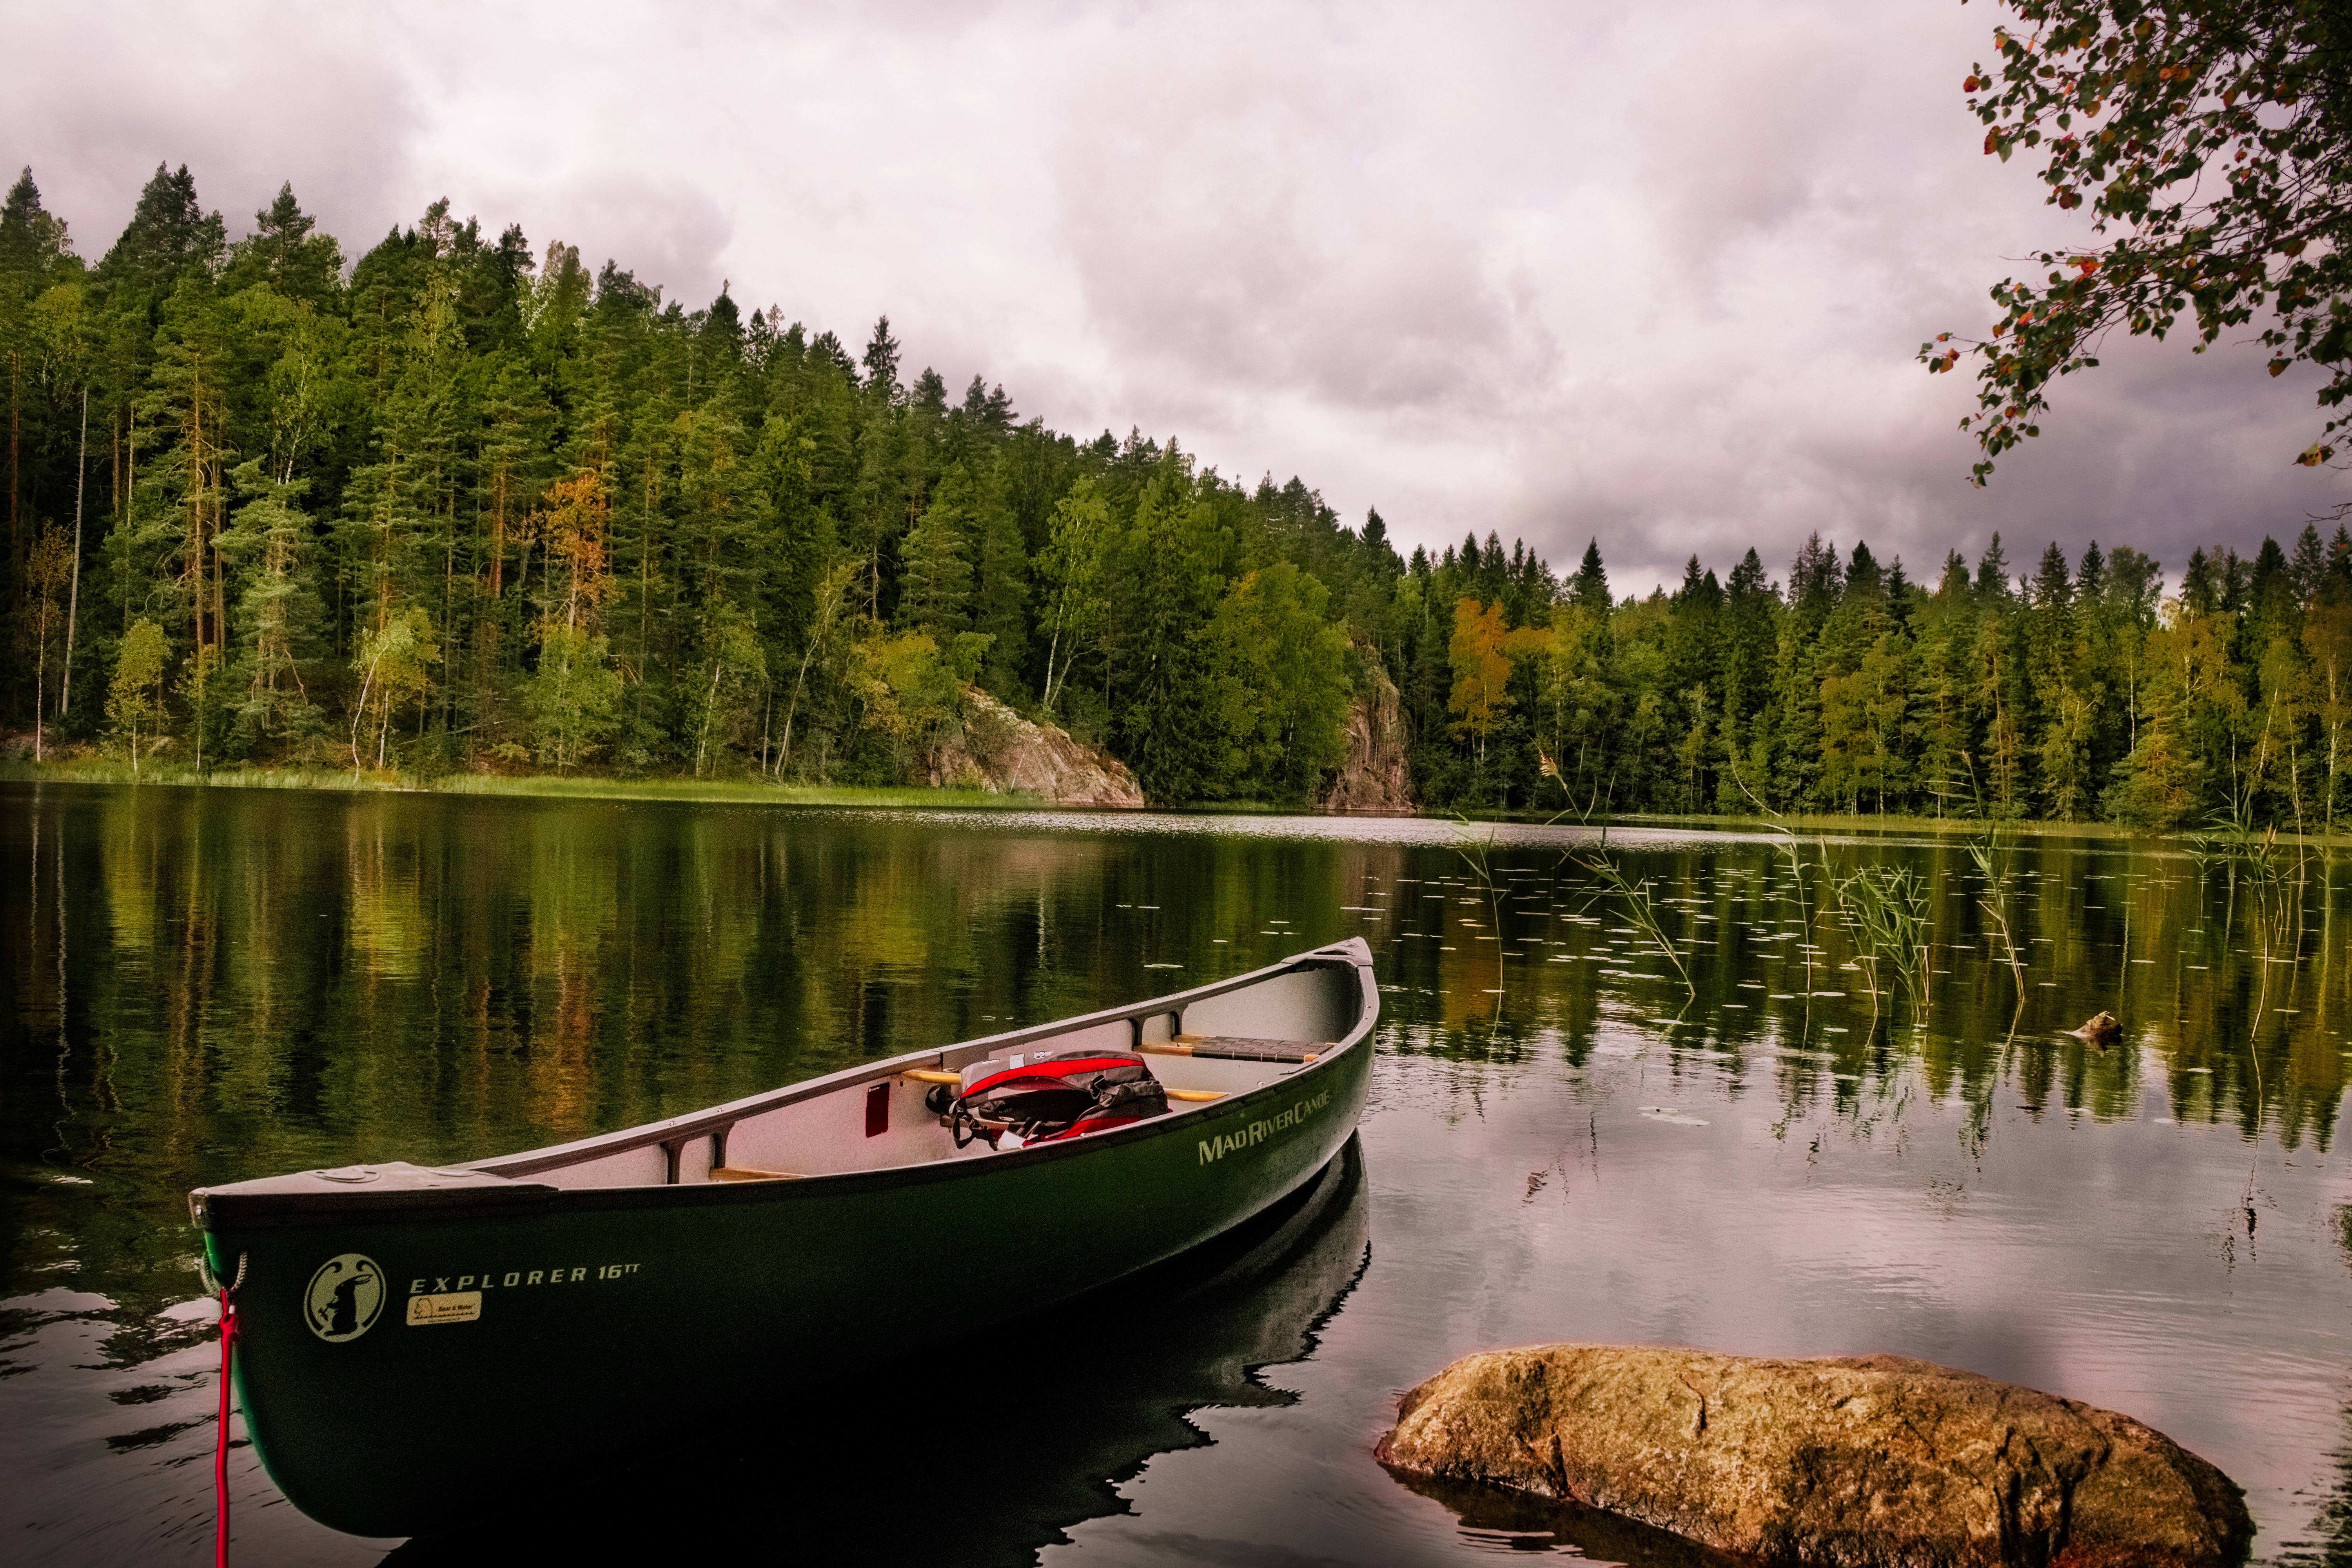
(327, 1208)
(703, 1123)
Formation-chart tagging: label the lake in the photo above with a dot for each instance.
(1795, 1152)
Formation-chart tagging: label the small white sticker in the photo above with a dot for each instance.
(456, 1306)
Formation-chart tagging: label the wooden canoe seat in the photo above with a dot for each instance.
(1235, 1048)
(746, 1174)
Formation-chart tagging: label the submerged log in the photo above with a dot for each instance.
(1861, 1462)
(2100, 1029)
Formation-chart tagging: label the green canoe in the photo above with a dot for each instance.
(403, 1328)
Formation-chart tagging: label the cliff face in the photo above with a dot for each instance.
(1374, 777)
(999, 749)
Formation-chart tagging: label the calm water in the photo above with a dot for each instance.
(203, 985)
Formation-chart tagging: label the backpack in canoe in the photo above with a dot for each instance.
(1037, 1099)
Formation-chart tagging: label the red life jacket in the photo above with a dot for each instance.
(1055, 1095)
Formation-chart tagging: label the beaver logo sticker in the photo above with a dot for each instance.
(344, 1298)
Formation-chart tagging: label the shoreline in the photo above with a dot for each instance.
(709, 792)
(754, 792)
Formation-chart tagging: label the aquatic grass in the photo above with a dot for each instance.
(1888, 912)
(1784, 830)
(2276, 884)
(1478, 852)
(1988, 851)
(1633, 899)
(2255, 861)
(1988, 847)
(743, 792)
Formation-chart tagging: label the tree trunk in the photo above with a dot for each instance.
(73, 598)
(16, 402)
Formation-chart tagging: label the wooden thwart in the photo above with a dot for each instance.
(1196, 1094)
(1235, 1048)
(747, 1174)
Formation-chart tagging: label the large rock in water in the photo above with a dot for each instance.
(1860, 1461)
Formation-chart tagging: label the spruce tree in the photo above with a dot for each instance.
(1590, 588)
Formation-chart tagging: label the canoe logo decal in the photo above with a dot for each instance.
(1219, 1146)
(344, 1298)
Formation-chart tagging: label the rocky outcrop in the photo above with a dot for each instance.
(1374, 777)
(1860, 1462)
(993, 748)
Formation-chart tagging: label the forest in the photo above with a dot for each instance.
(459, 505)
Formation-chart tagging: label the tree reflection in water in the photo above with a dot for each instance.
(974, 1450)
(201, 985)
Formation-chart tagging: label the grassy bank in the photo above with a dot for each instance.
(1843, 825)
(754, 791)
(714, 792)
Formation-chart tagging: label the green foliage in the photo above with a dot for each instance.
(134, 702)
(464, 505)
(1280, 677)
(2212, 140)
(1070, 569)
(1167, 577)
(738, 671)
(935, 582)
(394, 662)
(271, 542)
(907, 690)
(572, 697)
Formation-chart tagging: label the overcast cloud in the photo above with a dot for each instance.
(1653, 273)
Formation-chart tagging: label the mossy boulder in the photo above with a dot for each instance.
(1856, 1462)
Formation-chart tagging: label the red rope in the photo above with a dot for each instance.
(220, 1449)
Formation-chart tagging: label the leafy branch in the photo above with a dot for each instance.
(2211, 134)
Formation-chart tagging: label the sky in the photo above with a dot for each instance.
(1653, 274)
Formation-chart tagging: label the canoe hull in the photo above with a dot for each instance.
(564, 1320)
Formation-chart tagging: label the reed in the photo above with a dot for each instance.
(1887, 914)
(1478, 852)
(1989, 852)
(1784, 830)
(1633, 898)
(1989, 846)
(2251, 860)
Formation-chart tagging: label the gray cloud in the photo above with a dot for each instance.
(1655, 274)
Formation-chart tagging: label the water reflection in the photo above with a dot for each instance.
(995, 1444)
(2231, 1011)
(201, 985)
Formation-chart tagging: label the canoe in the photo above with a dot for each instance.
(984, 1453)
(403, 1328)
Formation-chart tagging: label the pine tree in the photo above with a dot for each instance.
(1001, 590)
(936, 577)
(1590, 587)
(277, 615)
(881, 363)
